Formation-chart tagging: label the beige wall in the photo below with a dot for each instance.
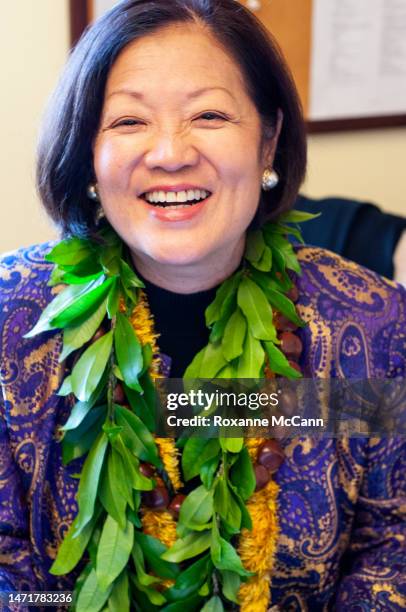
(33, 46)
(367, 165)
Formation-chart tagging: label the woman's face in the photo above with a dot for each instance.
(178, 155)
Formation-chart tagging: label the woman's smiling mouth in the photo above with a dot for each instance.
(180, 203)
(175, 198)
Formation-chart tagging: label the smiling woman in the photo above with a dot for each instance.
(193, 134)
(171, 153)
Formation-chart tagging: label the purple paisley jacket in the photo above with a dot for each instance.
(342, 502)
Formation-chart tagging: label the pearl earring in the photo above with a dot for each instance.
(93, 193)
(269, 179)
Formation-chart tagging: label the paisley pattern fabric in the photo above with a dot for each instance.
(342, 502)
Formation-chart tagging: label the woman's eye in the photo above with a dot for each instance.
(209, 116)
(127, 122)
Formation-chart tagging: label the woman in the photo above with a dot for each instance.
(187, 98)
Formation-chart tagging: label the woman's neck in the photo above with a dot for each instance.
(191, 277)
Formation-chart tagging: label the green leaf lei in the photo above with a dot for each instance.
(125, 565)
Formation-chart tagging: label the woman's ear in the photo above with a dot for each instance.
(270, 141)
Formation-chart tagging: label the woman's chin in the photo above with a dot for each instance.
(173, 255)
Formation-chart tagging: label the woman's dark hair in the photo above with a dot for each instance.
(65, 166)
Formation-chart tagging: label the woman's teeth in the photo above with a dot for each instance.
(166, 198)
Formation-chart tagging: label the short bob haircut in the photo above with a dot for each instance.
(65, 158)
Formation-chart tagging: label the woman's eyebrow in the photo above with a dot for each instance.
(191, 95)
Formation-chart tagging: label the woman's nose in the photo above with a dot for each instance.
(170, 151)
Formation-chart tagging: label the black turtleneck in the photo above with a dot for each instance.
(180, 321)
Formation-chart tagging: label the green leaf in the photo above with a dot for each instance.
(297, 216)
(72, 548)
(191, 604)
(195, 453)
(71, 279)
(293, 231)
(76, 337)
(224, 293)
(193, 369)
(113, 502)
(208, 470)
(224, 555)
(207, 363)
(153, 550)
(232, 445)
(83, 307)
(153, 595)
(255, 306)
(113, 299)
(78, 441)
(284, 305)
(59, 304)
(89, 370)
(277, 299)
(147, 356)
(113, 552)
(119, 600)
(143, 602)
(226, 506)
(278, 272)
(56, 277)
(213, 605)
(251, 362)
(143, 409)
(144, 406)
(217, 331)
(131, 467)
(70, 251)
(91, 597)
(196, 510)
(66, 387)
(189, 581)
(286, 249)
(242, 474)
(138, 557)
(78, 414)
(246, 520)
(129, 352)
(112, 431)
(255, 246)
(278, 362)
(141, 440)
(90, 266)
(129, 279)
(89, 482)
(234, 335)
(204, 589)
(265, 263)
(190, 546)
(231, 585)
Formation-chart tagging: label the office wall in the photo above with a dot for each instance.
(33, 46)
(365, 165)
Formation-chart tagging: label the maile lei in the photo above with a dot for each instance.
(140, 550)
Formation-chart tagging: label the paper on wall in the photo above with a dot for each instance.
(358, 60)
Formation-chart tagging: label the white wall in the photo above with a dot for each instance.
(34, 41)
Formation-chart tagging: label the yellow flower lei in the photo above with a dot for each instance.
(257, 546)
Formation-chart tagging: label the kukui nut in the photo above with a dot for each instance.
(271, 455)
(262, 476)
(174, 506)
(157, 498)
(291, 345)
